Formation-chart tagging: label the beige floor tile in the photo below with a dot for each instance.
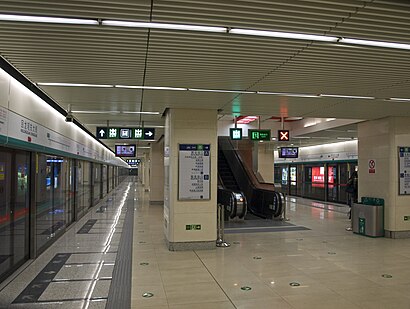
(138, 301)
(319, 301)
(185, 275)
(258, 290)
(351, 278)
(266, 303)
(211, 305)
(194, 293)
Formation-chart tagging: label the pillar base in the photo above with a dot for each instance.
(192, 245)
(397, 234)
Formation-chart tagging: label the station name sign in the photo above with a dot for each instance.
(125, 133)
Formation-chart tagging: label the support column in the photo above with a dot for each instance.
(189, 224)
(146, 167)
(156, 195)
(265, 162)
(379, 141)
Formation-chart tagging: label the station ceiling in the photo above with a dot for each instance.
(304, 78)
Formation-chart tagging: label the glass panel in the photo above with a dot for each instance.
(59, 188)
(68, 169)
(44, 201)
(20, 238)
(14, 209)
(332, 186)
(5, 212)
(293, 180)
(51, 199)
(97, 183)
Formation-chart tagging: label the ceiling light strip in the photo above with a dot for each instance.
(285, 94)
(115, 112)
(186, 27)
(45, 19)
(222, 91)
(346, 96)
(399, 99)
(150, 87)
(375, 43)
(284, 35)
(75, 85)
(148, 25)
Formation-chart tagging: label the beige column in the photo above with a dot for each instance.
(379, 141)
(265, 162)
(156, 180)
(197, 127)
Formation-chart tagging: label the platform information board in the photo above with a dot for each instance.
(194, 172)
(404, 170)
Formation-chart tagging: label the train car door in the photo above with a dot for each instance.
(293, 180)
(332, 182)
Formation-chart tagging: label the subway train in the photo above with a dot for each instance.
(41, 195)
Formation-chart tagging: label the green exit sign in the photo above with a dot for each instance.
(259, 135)
(235, 133)
(192, 227)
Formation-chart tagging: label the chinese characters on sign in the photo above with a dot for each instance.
(259, 135)
(194, 172)
(125, 133)
(404, 170)
(235, 133)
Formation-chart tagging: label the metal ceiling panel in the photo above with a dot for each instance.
(129, 56)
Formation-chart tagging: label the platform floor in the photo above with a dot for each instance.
(323, 266)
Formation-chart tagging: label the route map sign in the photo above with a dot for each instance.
(404, 170)
(194, 172)
(125, 133)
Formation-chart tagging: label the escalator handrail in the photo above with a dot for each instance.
(222, 194)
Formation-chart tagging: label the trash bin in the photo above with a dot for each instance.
(368, 217)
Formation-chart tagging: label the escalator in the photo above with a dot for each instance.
(225, 173)
(235, 175)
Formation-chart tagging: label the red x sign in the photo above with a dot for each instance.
(283, 135)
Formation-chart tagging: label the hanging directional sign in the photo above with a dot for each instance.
(283, 136)
(259, 135)
(125, 133)
(133, 162)
(149, 133)
(235, 133)
(101, 133)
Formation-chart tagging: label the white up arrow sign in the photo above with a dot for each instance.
(102, 132)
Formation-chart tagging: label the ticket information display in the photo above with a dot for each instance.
(194, 172)
(404, 170)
